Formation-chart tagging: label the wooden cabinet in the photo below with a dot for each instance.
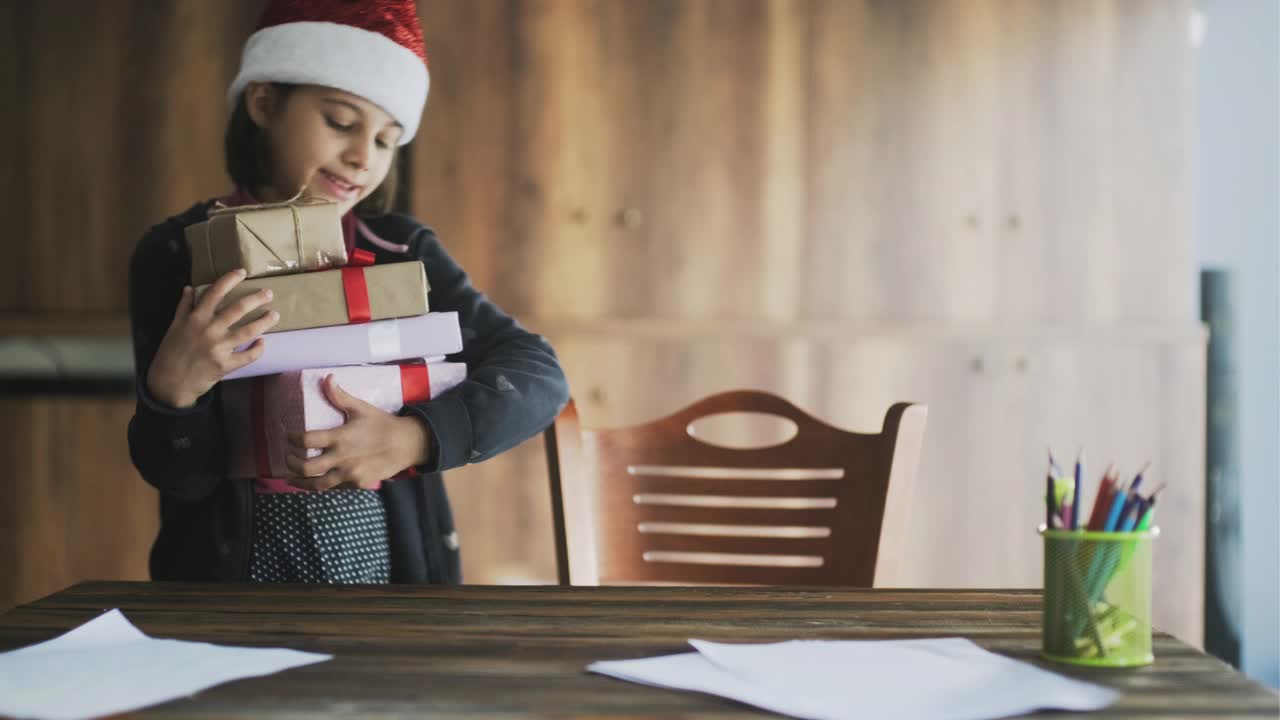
(998, 161)
(74, 508)
(121, 116)
(969, 162)
(573, 152)
(120, 107)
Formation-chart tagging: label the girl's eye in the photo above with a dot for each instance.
(337, 125)
(382, 144)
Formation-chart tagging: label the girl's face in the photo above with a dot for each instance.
(338, 144)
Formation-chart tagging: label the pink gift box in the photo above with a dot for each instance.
(430, 335)
(259, 413)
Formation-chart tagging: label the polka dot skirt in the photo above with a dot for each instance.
(337, 536)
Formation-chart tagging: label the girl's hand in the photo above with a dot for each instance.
(371, 446)
(199, 347)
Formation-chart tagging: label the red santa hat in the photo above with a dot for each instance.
(370, 48)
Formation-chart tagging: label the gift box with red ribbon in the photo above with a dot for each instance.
(353, 294)
(259, 413)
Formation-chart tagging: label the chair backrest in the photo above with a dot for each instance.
(654, 504)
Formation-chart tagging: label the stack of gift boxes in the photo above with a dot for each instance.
(368, 325)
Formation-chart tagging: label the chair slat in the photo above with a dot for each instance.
(744, 488)
(765, 546)
(631, 517)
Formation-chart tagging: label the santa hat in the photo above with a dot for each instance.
(370, 48)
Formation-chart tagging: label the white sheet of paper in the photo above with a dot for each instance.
(932, 679)
(108, 666)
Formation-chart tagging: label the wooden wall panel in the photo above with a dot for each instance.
(502, 508)
(994, 407)
(998, 161)
(1130, 403)
(574, 152)
(75, 509)
(122, 116)
(968, 162)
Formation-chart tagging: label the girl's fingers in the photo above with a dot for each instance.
(294, 464)
(314, 440)
(212, 297)
(233, 312)
(310, 467)
(253, 330)
(183, 309)
(349, 405)
(328, 481)
(246, 356)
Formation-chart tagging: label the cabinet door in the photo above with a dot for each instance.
(995, 408)
(996, 404)
(603, 159)
(1134, 402)
(74, 509)
(987, 161)
(122, 116)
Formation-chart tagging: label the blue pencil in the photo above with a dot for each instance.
(1117, 510)
(1137, 479)
(1133, 512)
(1134, 498)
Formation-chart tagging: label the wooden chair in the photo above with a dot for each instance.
(653, 504)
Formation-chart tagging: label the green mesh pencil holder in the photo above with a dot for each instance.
(1097, 597)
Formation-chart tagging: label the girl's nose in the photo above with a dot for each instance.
(357, 155)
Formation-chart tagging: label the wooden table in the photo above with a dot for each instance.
(521, 650)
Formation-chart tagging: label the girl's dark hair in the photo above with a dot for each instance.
(248, 157)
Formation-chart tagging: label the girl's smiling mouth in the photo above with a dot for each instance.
(339, 187)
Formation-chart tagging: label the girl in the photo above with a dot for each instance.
(326, 92)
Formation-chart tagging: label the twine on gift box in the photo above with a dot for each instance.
(220, 208)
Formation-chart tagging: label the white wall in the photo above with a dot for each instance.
(1238, 227)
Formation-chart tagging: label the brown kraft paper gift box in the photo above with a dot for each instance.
(267, 240)
(320, 299)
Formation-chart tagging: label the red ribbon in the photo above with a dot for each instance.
(415, 386)
(357, 292)
(361, 258)
(258, 420)
(415, 383)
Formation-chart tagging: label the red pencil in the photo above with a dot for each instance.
(1101, 503)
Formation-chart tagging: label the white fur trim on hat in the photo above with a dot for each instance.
(353, 60)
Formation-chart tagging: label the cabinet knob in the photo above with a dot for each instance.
(630, 218)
